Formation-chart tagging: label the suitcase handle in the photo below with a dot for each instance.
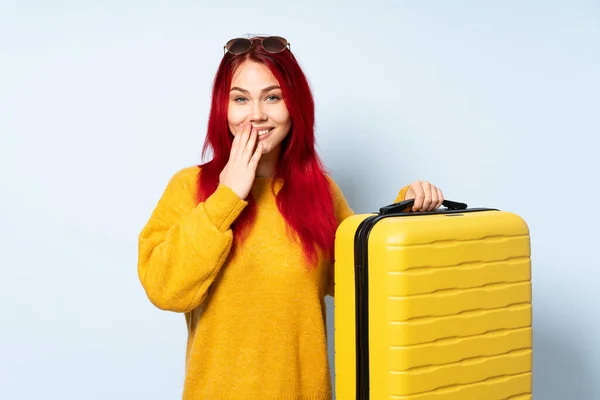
(404, 206)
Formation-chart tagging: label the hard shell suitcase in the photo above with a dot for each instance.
(433, 305)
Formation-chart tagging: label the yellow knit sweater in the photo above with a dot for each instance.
(255, 314)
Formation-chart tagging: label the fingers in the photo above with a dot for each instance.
(255, 157)
(427, 196)
(440, 198)
(419, 195)
(249, 149)
(427, 200)
(434, 197)
(240, 140)
(234, 147)
(245, 136)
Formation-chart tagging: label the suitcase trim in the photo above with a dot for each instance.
(361, 287)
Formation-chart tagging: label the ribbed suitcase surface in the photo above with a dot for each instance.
(448, 308)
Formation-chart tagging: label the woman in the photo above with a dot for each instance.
(243, 244)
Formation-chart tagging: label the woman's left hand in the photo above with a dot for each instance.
(427, 196)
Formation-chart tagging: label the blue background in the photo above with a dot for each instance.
(496, 102)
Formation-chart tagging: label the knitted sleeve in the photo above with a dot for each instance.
(183, 245)
(402, 194)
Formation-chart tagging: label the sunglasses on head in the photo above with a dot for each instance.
(271, 44)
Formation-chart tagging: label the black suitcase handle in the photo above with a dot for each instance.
(404, 206)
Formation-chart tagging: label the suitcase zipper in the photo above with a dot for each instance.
(361, 281)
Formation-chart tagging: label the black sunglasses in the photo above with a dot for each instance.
(271, 44)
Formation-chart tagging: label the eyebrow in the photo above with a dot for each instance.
(264, 90)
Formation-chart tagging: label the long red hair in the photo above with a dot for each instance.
(304, 200)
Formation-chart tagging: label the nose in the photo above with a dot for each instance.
(258, 113)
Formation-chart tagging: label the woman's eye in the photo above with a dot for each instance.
(272, 97)
(239, 99)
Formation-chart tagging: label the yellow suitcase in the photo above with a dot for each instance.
(433, 305)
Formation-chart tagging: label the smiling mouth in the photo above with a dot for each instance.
(263, 132)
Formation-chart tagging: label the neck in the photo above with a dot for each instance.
(267, 166)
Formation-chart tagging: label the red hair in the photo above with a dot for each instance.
(305, 200)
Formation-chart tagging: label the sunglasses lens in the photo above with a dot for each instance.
(238, 46)
(274, 44)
